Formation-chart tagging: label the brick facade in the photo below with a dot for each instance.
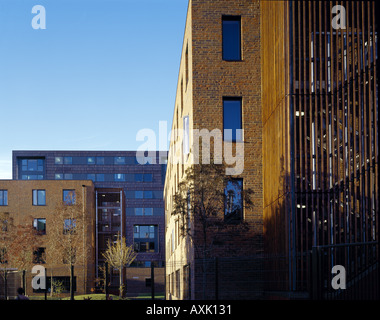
(21, 209)
(210, 78)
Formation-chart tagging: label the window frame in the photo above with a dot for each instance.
(4, 198)
(72, 200)
(240, 99)
(35, 193)
(231, 217)
(35, 226)
(236, 18)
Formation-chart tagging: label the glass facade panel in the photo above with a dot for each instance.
(145, 238)
(119, 160)
(68, 160)
(99, 160)
(119, 177)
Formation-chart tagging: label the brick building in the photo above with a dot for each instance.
(218, 88)
(305, 96)
(36, 203)
(128, 200)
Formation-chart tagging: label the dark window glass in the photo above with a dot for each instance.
(145, 238)
(139, 194)
(231, 38)
(148, 194)
(39, 256)
(233, 208)
(91, 176)
(40, 225)
(139, 177)
(232, 123)
(90, 160)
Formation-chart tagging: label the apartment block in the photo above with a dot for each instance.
(128, 199)
(37, 204)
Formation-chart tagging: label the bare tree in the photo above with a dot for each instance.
(17, 244)
(209, 206)
(67, 235)
(119, 255)
(7, 232)
(212, 203)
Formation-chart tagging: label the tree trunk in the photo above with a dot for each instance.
(121, 281)
(72, 282)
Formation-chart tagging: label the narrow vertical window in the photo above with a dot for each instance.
(3, 197)
(186, 136)
(233, 208)
(231, 38)
(232, 119)
(187, 64)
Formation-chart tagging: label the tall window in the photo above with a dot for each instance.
(233, 207)
(3, 197)
(231, 38)
(186, 135)
(232, 119)
(39, 197)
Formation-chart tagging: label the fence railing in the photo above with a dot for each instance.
(138, 283)
(345, 272)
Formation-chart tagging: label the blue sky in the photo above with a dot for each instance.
(101, 71)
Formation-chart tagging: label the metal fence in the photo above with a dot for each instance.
(138, 283)
(345, 272)
(259, 277)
